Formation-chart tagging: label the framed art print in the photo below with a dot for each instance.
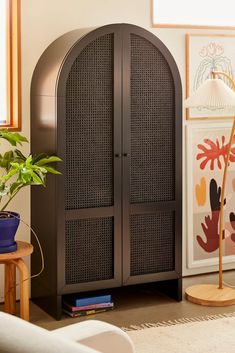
(206, 149)
(205, 53)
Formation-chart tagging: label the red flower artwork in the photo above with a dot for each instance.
(210, 229)
(210, 226)
(212, 152)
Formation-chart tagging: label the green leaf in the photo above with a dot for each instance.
(24, 177)
(36, 179)
(38, 157)
(52, 170)
(16, 165)
(8, 155)
(28, 161)
(49, 160)
(10, 174)
(37, 168)
(20, 170)
(14, 186)
(8, 158)
(13, 138)
(20, 155)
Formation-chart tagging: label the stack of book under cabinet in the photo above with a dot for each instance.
(76, 306)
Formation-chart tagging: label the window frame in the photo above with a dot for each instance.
(169, 25)
(13, 52)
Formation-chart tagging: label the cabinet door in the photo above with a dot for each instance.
(92, 236)
(151, 160)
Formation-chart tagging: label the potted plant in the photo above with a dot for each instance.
(18, 171)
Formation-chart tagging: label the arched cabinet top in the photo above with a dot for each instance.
(53, 67)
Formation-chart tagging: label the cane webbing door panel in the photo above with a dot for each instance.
(92, 221)
(152, 243)
(89, 250)
(150, 206)
(89, 127)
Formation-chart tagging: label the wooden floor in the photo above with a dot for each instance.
(142, 305)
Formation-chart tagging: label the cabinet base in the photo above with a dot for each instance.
(172, 288)
(53, 304)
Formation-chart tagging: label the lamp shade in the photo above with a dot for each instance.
(214, 94)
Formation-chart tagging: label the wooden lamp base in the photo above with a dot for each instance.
(210, 295)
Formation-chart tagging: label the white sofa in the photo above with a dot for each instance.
(91, 336)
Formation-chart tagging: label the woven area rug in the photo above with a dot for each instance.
(210, 334)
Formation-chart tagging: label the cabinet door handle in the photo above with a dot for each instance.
(117, 155)
(126, 154)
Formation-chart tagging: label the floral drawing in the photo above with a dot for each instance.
(213, 58)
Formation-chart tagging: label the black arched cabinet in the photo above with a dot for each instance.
(108, 102)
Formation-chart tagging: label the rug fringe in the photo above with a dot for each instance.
(185, 320)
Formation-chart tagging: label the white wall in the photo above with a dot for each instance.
(45, 20)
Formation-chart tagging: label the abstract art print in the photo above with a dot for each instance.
(205, 53)
(207, 148)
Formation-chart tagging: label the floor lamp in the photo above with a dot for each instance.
(214, 93)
